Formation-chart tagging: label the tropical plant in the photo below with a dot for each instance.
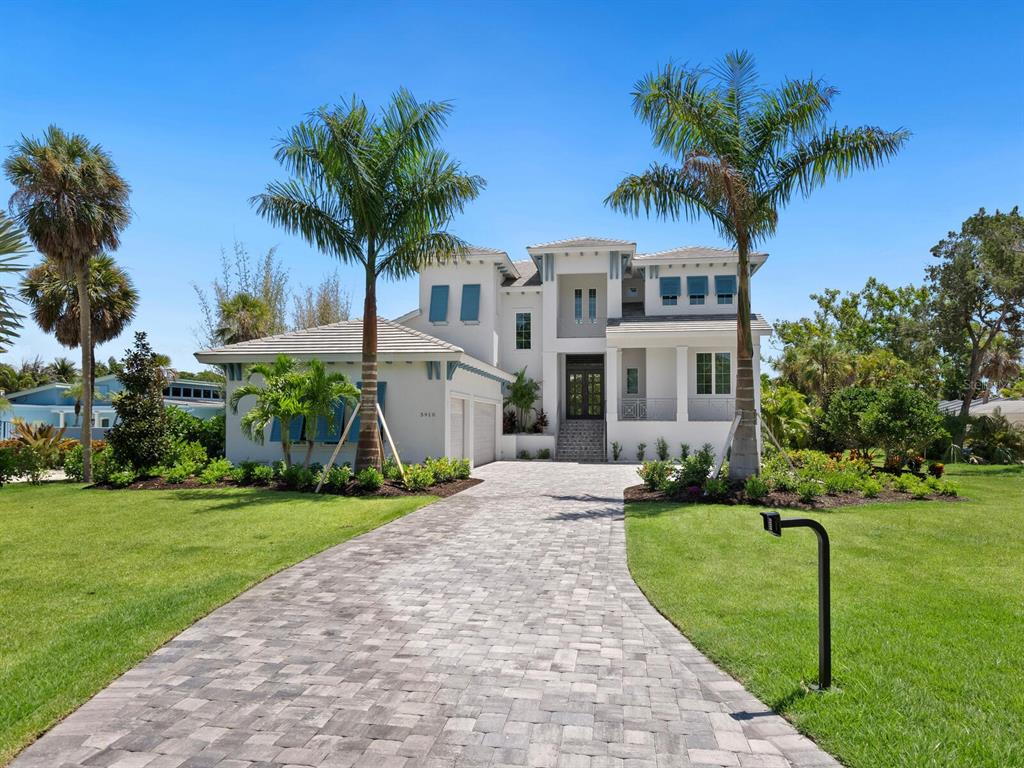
(12, 248)
(38, 448)
(785, 412)
(1002, 363)
(74, 391)
(278, 397)
(140, 439)
(994, 438)
(243, 317)
(72, 202)
(320, 395)
(901, 420)
(184, 427)
(743, 152)
(63, 369)
(53, 296)
(376, 191)
(522, 394)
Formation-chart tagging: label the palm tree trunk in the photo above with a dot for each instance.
(286, 446)
(309, 454)
(85, 340)
(368, 449)
(744, 460)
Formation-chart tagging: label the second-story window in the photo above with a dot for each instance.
(592, 304)
(669, 289)
(697, 288)
(439, 304)
(469, 312)
(524, 330)
(577, 305)
(725, 288)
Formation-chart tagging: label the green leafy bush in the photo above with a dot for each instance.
(808, 490)
(370, 479)
(947, 488)
(9, 464)
(299, 478)
(755, 488)
(692, 471)
(262, 474)
(140, 438)
(870, 488)
(655, 474)
(390, 469)
(183, 427)
(215, 471)
(122, 478)
(191, 456)
(684, 451)
(443, 469)
(544, 454)
(640, 450)
(525, 455)
(418, 477)
(104, 464)
(716, 487)
(462, 469)
(245, 472)
(661, 448)
(337, 478)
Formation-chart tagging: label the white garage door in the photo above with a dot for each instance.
(483, 433)
(457, 421)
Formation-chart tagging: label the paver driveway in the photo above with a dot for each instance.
(499, 626)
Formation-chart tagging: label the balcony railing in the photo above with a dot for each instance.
(647, 409)
(711, 408)
(581, 328)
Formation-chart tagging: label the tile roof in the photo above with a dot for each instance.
(344, 338)
(694, 252)
(528, 275)
(684, 324)
(585, 241)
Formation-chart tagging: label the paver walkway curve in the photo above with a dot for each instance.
(497, 627)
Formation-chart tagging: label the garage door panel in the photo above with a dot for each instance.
(457, 428)
(484, 439)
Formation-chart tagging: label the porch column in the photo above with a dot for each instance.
(550, 386)
(612, 366)
(682, 385)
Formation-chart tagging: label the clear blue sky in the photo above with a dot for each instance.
(189, 99)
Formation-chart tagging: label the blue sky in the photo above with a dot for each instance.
(189, 99)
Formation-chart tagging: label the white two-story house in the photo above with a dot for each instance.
(627, 347)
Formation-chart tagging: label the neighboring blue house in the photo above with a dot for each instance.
(50, 404)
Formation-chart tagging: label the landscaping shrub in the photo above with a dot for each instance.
(418, 477)
(994, 439)
(655, 474)
(122, 478)
(300, 478)
(370, 479)
(901, 420)
(525, 455)
(684, 451)
(140, 438)
(870, 488)
(462, 469)
(35, 449)
(640, 449)
(245, 472)
(9, 464)
(808, 490)
(73, 459)
(183, 427)
(755, 488)
(337, 478)
(716, 487)
(443, 469)
(661, 448)
(390, 469)
(616, 450)
(216, 471)
(104, 464)
(262, 474)
(544, 453)
(936, 469)
(177, 474)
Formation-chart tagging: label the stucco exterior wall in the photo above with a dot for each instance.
(652, 290)
(509, 358)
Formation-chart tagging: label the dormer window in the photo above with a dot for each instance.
(725, 288)
(439, 304)
(697, 289)
(669, 289)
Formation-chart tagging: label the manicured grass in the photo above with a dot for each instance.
(927, 615)
(92, 581)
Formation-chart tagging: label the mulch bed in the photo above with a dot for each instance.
(390, 489)
(787, 499)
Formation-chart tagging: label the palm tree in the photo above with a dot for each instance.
(72, 203)
(522, 394)
(75, 393)
(322, 393)
(63, 369)
(12, 247)
(243, 317)
(278, 397)
(376, 191)
(1002, 362)
(53, 296)
(743, 152)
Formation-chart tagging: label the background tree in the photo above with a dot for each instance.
(374, 190)
(12, 248)
(978, 290)
(1002, 363)
(140, 438)
(786, 413)
(75, 393)
(31, 373)
(72, 203)
(742, 152)
(243, 317)
(326, 303)
(901, 420)
(62, 369)
(52, 295)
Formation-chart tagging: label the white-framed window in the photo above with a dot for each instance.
(632, 381)
(592, 305)
(577, 305)
(714, 373)
(524, 330)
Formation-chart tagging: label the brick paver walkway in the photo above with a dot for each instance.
(497, 627)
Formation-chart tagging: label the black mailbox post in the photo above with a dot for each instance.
(774, 524)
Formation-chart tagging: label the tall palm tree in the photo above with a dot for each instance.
(374, 190)
(742, 153)
(243, 317)
(63, 369)
(73, 204)
(53, 296)
(12, 248)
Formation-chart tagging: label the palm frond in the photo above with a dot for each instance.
(321, 220)
(791, 112)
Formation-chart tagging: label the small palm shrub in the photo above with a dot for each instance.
(640, 450)
(661, 448)
(616, 450)
(655, 474)
(215, 471)
(337, 478)
(418, 477)
(370, 479)
(755, 489)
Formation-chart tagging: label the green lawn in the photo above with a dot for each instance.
(927, 616)
(92, 581)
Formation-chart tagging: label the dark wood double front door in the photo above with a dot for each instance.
(584, 386)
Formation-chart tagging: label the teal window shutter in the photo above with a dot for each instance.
(725, 284)
(470, 310)
(295, 432)
(697, 286)
(438, 303)
(382, 389)
(669, 286)
(275, 431)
